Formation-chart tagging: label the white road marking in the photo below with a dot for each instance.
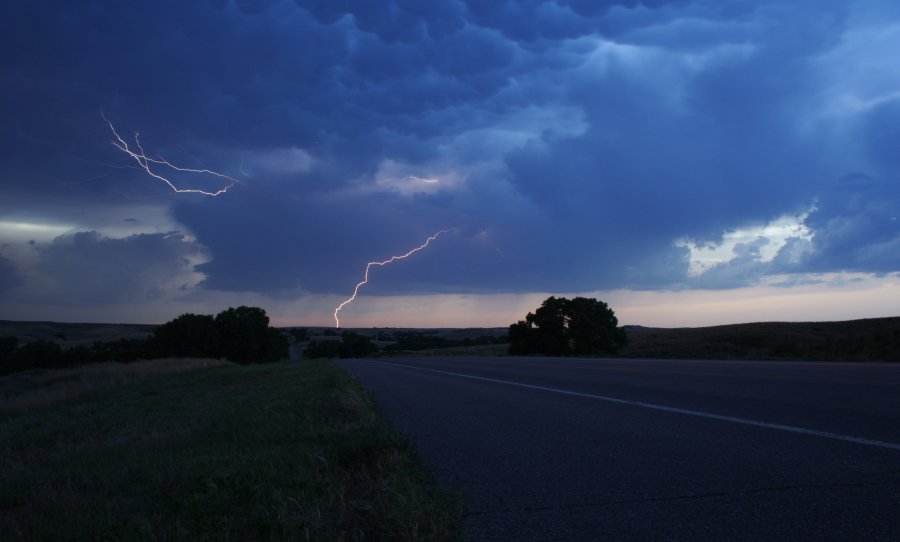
(664, 408)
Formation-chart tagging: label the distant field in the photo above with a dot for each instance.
(72, 334)
(182, 450)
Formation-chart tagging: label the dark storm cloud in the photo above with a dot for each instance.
(585, 138)
(9, 276)
(87, 267)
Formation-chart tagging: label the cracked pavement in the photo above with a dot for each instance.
(536, 465)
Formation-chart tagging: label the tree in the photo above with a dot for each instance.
(580, 326)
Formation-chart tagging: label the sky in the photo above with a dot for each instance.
(690, 162)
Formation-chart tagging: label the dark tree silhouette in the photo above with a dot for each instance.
(245, 336)
(351, 345)
(188, 336)
(354, 345)
(239, 334)
(559, 327)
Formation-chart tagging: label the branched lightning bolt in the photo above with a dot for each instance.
(369, 265)
(145, 161)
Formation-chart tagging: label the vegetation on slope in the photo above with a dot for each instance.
(255, 452)
(875, 339)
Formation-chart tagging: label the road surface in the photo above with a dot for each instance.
(593, 449)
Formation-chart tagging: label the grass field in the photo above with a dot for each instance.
(265, 452)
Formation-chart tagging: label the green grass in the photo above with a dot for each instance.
(266, 452)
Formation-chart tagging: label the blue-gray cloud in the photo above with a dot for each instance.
(9, 276)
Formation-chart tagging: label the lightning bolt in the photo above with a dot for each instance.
(369, 265)
(145, 162)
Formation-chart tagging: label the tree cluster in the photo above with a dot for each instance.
(241, 334)
(565, 327)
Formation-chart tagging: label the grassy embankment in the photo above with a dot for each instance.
(181, 450)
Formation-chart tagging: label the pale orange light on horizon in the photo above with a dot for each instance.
(856, 297)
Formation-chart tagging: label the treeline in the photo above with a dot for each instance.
(417, 341)
(241, 334)
(45, 354)
(354, 345)
(351, 345)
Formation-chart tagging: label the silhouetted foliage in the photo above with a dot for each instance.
(351, 345)
(44, 354)
(414, 341)
(245, 336)
(188, 336)
(560, 327)
(354, 345)
(322, 349)
(122, 350)
(41, 355)
(239, 334)
(8, 347)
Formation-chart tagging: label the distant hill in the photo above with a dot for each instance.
(874, 339)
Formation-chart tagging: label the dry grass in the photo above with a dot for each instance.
(42, 387)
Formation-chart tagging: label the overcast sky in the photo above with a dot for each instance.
(690, 162)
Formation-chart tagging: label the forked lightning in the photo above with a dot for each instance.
(369, 265)
(145, 162)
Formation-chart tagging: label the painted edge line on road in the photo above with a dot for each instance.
(664, 408)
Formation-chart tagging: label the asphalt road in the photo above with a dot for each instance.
(580, 449)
